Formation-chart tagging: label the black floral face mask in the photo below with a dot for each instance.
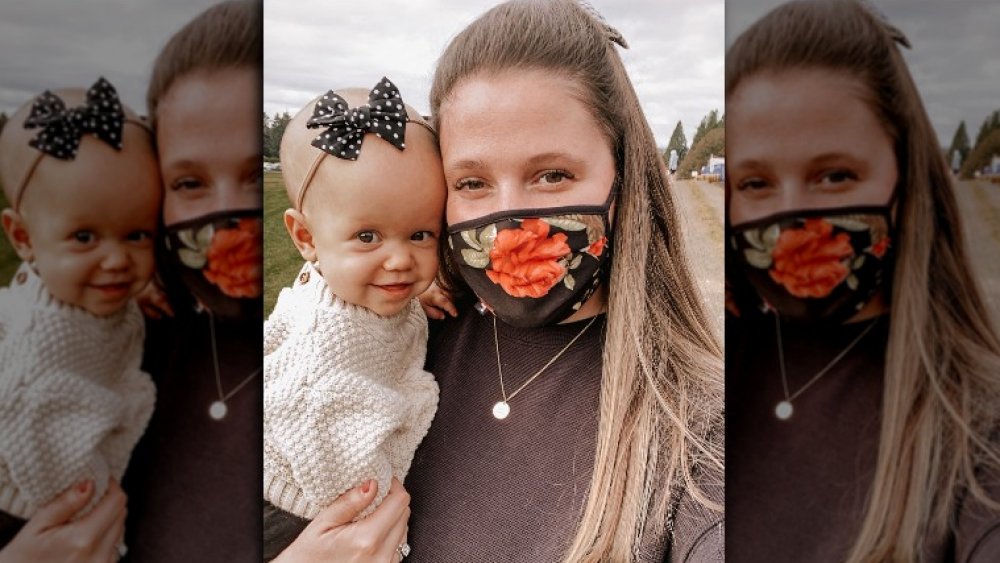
(534, 267)
(218, 258)
(818, 264)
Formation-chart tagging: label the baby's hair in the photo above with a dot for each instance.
(298, 137)
(226, 35)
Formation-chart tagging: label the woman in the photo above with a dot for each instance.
(585, 402)
(191, 478)
(873, 340)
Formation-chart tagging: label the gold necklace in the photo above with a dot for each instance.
(502, 408)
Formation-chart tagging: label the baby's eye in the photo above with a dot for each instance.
(84, 237)
(186, 183)
(369, 237)
(470, 184)
(139, 236)
(554, 176)
(422, 236)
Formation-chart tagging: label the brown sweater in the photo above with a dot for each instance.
(797, 488)
(512, 490)
(193, 483)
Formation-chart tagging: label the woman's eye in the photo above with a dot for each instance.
(84, 237)
(838, 176)
(422, 236)
(369, 237)
(470, 184)
(182, 184)
(752, 184)
(554, 176)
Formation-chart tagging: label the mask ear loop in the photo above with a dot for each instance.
(19, 196)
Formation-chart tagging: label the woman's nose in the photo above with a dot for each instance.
(233, 194)
(510, 195)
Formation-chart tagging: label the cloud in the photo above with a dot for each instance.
(48, 44)
(674, 60)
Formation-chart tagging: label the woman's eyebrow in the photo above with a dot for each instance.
(467, 164)
(555, 155)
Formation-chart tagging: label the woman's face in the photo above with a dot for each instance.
(208, 135)
(518, 140)
(804, 139)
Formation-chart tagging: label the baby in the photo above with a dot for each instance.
(346, 398)
(80, 174)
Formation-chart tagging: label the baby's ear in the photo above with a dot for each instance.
(295, 223)
(17, 234)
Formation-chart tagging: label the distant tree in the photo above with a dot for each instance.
(678, 142)
(981, 154)
(274, 129)
(990, 124)
(960, 143)
(711, 143)
(708, 123)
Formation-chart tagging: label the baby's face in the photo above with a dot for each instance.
(376, 222)
(91, 222)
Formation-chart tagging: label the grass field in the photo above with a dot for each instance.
(281, 260)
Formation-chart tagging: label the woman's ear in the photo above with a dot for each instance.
(295, 223)
(17, 234)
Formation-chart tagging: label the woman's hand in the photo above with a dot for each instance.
(332, 536)
(436, 302)
(153, 301)
(51, 536)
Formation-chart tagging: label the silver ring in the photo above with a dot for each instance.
(403, 550)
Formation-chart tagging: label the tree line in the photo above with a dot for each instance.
(973, 157)
(709, 140)
(274, 128)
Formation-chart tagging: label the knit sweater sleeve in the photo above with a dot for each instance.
(343, 402)
(73, 403)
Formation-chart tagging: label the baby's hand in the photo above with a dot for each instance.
(436, 302)
(153, 301)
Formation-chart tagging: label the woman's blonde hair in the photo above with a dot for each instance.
(661, 390)
(941, 390)
(227, 35)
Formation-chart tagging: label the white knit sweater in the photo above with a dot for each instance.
(73, 401)
(346, 397)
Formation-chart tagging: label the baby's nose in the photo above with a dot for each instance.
(116, 258)
(399, 258)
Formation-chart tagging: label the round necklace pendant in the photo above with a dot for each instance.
(784, 410)
(218, 410)
(501, 410)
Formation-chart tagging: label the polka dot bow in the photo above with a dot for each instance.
(384, 115)
(63, 128)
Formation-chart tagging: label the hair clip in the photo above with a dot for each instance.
(384, 115)
(613, 34)
(62, 128)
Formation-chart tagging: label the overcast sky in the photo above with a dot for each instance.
(675, 57)
(49, 44)
(955, 59)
